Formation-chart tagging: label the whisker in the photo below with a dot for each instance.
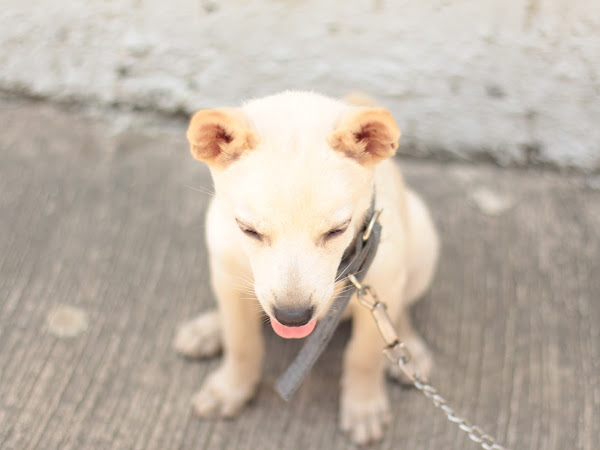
(200, 189)
(242, 277)
(244, 289)
(245, 276)
(345, 289)
(338, 277)
(246, 292)
(243, 282)
(240, 281)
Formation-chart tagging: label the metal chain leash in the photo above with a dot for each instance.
(397, 353)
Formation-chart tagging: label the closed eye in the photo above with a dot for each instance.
(252, 233)
(249, 231)
(333, 233)
(337, 231)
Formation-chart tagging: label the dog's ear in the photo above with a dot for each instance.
(367, 135)
(220, 136)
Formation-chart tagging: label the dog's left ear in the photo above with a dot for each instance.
(367, 135)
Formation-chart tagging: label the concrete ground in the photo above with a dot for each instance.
(102, 256)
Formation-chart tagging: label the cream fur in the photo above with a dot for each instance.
(292, 167)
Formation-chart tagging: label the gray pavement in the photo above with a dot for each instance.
(102, 255)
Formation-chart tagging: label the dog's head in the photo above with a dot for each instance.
(295, 175)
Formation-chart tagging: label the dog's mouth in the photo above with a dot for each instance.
(298, 332)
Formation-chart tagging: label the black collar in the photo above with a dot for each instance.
(357, 243)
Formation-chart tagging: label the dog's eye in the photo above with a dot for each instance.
(334, 233)
(248, 231)
(252, 233)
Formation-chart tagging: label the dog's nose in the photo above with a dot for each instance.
(292, 317)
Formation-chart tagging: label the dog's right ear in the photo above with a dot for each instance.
(220, 136)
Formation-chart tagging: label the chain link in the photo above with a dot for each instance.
(397, 352)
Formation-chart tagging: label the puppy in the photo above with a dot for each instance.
(294, 177)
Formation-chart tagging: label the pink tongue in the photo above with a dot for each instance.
(293, 332)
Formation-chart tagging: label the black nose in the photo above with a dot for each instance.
(292, 317)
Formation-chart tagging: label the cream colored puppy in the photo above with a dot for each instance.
(294, 175)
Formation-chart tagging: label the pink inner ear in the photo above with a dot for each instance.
(368, 131)
(368, 137)
(222, 135)
(373, 139)
(361, 135)
(208, 141)
(218, 137)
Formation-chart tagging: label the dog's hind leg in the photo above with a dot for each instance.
(200, 337)
(364, 406)
(423, 254)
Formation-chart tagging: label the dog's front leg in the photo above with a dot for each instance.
(228, 388)
(364, 407)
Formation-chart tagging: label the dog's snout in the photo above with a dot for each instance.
(293, 317)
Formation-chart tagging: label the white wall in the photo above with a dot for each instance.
(516, 79)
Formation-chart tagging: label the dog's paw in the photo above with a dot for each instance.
(421, 359)
(220, 396)
(364, 421)
(200, 337)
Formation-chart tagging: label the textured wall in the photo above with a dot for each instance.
(518, 79)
